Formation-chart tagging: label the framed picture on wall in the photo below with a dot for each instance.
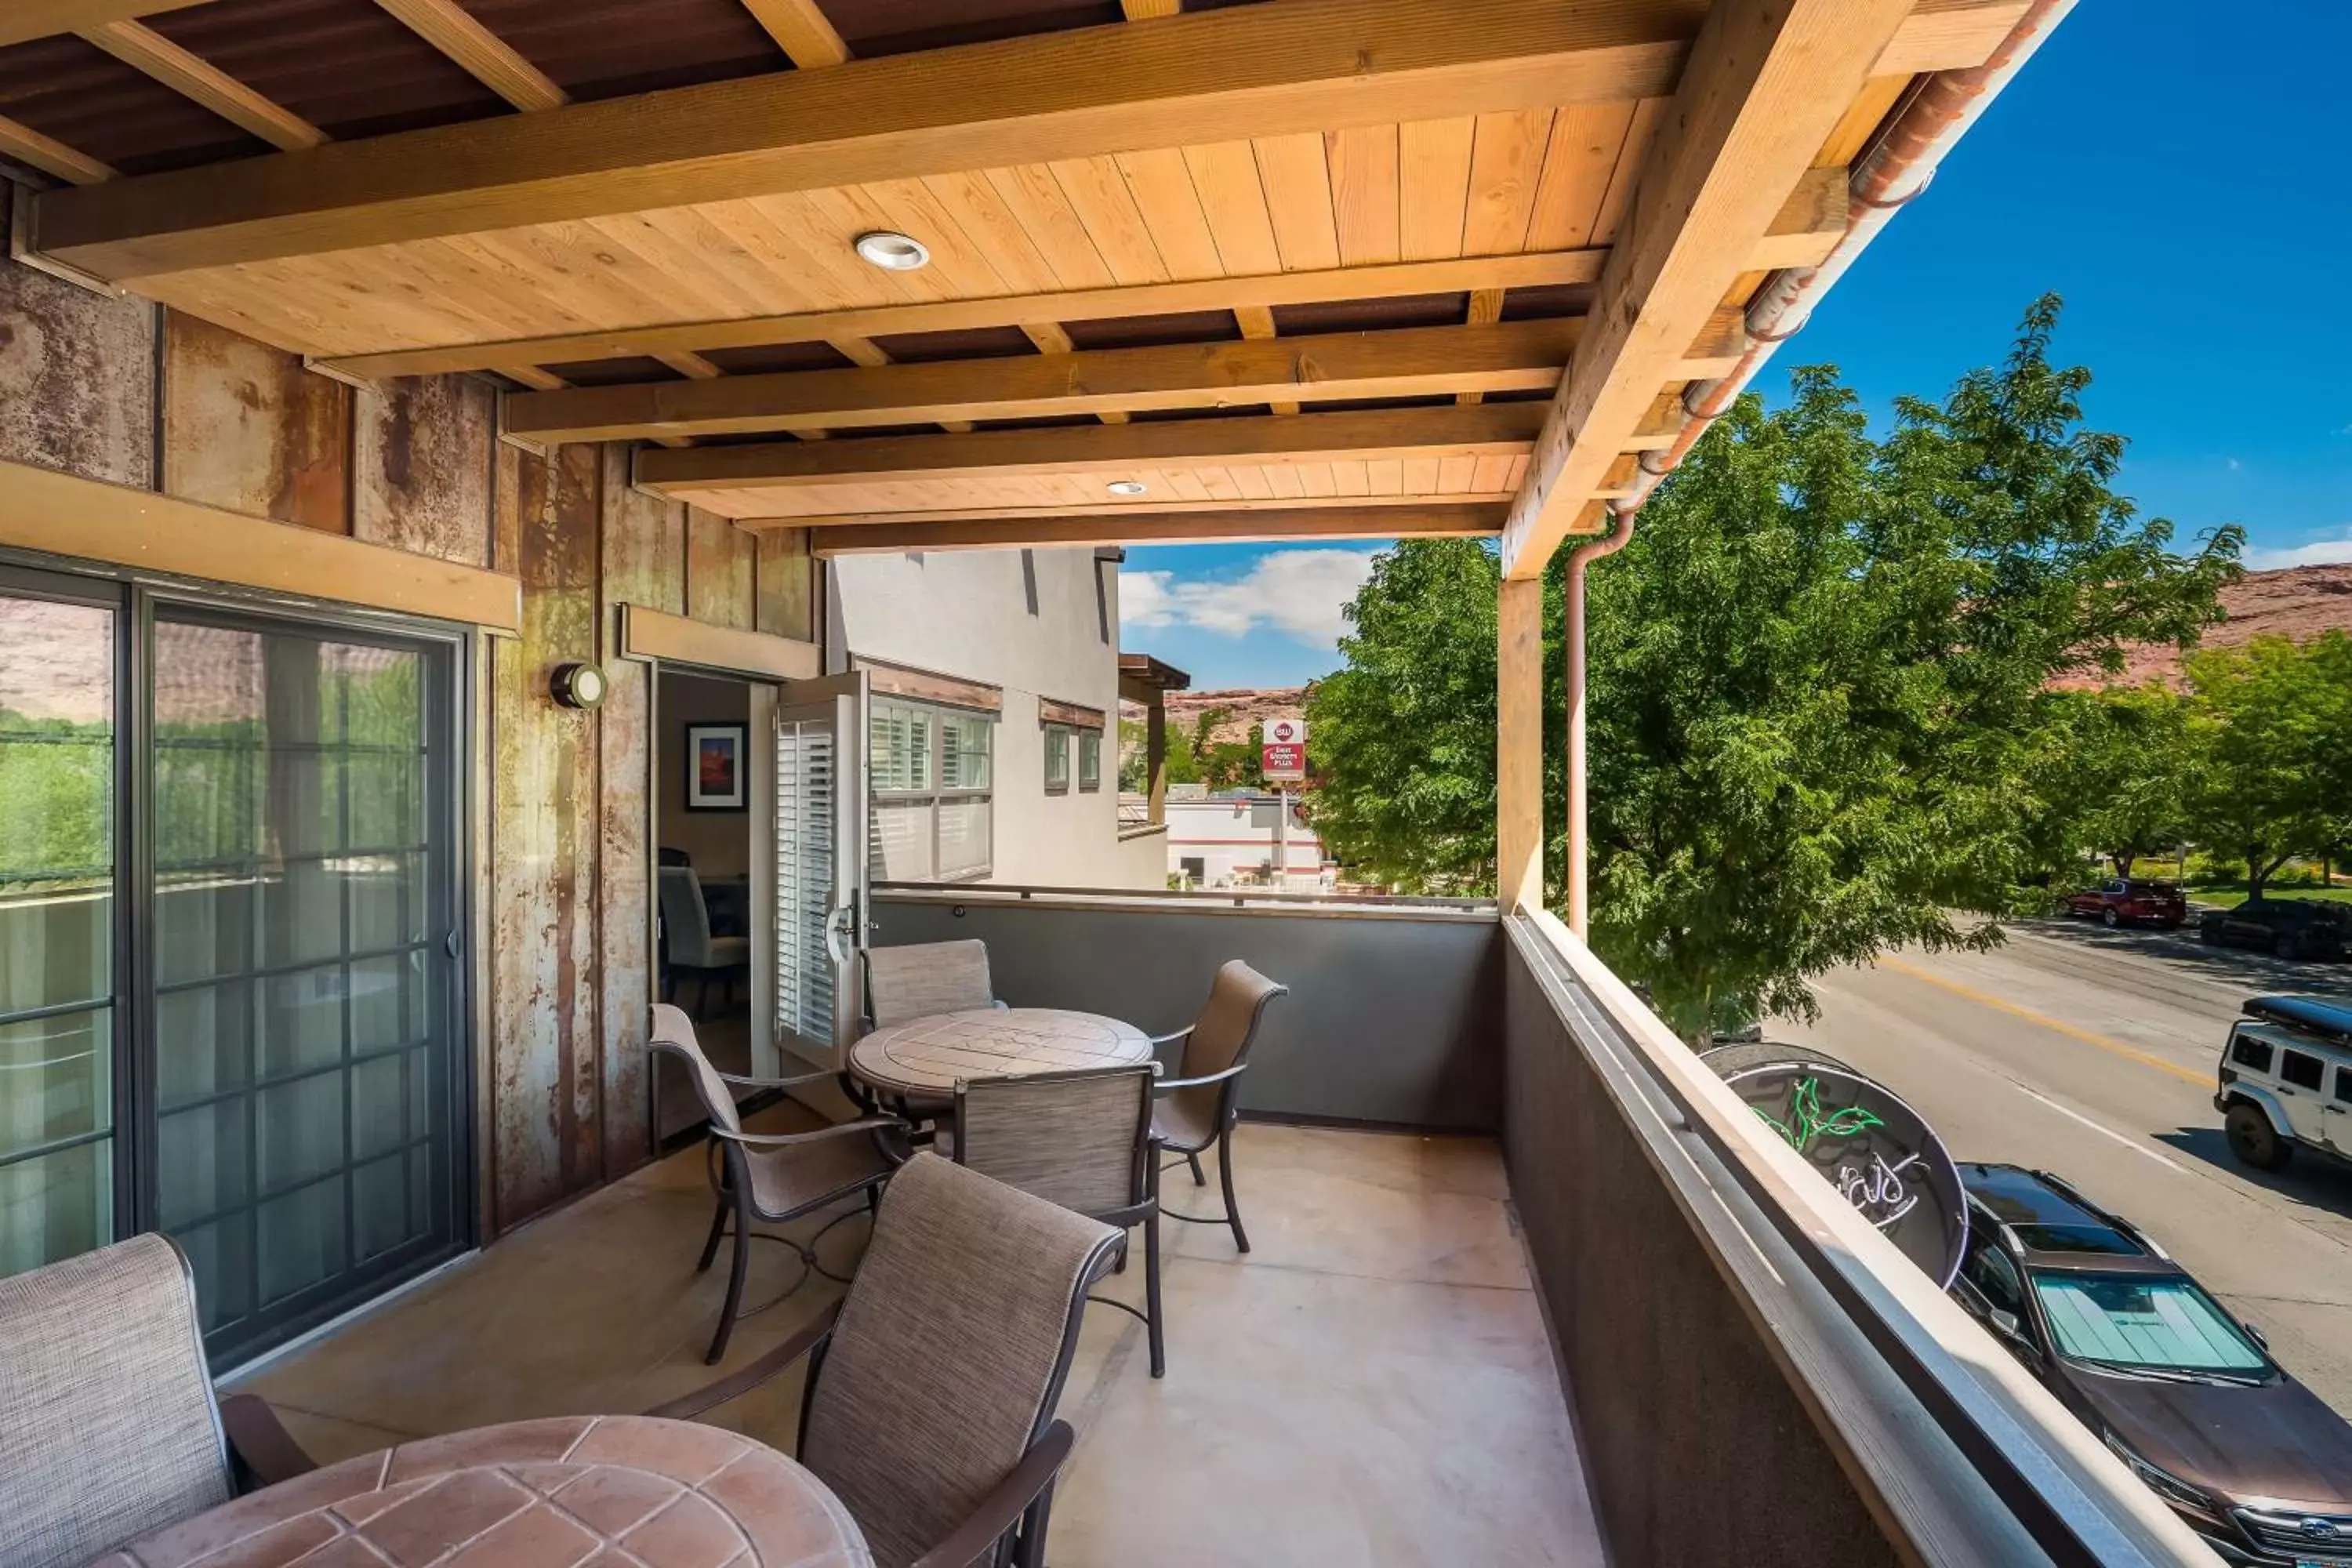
(715, 767)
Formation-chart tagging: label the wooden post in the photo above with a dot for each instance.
(1518, 745)
(1155, 756)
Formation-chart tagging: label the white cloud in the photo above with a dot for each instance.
(2311, 552)
(1299, 593)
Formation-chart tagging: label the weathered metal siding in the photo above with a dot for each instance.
(787, 584)
(545, 1044)
(247, 428)
(77, 379)
(421, 461)
(720, 569)
(644, 563)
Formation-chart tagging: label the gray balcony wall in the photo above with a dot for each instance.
(1697, 1447)
(1394, 1016)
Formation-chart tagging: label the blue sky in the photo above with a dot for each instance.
(2174, 169)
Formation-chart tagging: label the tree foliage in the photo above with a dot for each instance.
(1820, 684)
(2131, 762)
(2272, 732)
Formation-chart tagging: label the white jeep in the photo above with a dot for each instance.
(2285, 1080)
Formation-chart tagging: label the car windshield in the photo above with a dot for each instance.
(2144, 1323)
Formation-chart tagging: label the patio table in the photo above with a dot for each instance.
(667, 1494)
(924, 1059)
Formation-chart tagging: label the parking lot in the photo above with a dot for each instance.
(2092, 1053)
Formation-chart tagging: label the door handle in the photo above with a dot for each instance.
(840, 921)
(452, 944)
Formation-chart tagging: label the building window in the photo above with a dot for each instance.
(1057, 759)
(1090, 759)
(932, 778)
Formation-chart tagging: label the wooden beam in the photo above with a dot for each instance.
(59, 514)
(656, 634)
(1393, 280)
(1145, 10)
(1808, 226)
(1488, 430)
(1518, 744)
(1219, 76)
(23, 19)
(753, 512)
(489, 59)
(1766, 82)
(1507, 356)
(49, 155)
(145, 49)
(1425, 520)
(800, 30)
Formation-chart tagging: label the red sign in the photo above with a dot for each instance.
(1282, 754)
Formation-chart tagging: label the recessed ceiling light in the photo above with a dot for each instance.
(893, 252)
(1128, 486)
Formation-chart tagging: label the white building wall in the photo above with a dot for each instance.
(1038, 624)
(1233, 840)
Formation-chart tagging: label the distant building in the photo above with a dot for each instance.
(1244, 839)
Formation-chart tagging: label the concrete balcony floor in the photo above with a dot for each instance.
(1369, 1385)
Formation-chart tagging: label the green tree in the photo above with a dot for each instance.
(1821, 722)
(2130, 759)
(2273, 721)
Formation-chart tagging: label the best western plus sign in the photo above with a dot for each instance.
(1282, 754)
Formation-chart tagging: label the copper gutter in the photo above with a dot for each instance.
(1900, 163)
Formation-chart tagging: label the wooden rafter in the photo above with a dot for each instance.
(49, 155)
(194, 77)
(23, 19)
(1422, 521)
(1486, 430)
(800, 30)
(449, 27)
(1766, 82)
(1220, 76)
(1506, 357)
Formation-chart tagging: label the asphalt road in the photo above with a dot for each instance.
(2091, 1053)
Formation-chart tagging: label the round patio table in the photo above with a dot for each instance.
(668, 1494)
(924, 1059)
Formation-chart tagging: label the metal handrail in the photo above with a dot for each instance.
(1009, 893)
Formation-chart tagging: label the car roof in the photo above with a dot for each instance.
(2054, 1226)
(2328, 1018)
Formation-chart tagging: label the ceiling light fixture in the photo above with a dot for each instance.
(1128, 486)
(893, 252)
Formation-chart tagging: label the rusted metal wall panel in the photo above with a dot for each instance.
(247, 429)
(645, 564)
(787, 584)
(545, 1042)
(77, 379)
(421, 458)
(720, 567)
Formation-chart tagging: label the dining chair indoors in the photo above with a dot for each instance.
(1199, 1107)
(774, 1178)
(931, 1384)
(109, 1425)
(687, 940)
(1082, 1140)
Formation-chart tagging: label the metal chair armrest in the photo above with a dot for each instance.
(817, 1135)
(792, 1082)
(1171, 1085)
(686, 1406)
(1006, 1502)
(1165, 1039)
(263, 1448)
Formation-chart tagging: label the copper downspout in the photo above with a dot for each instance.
(1573, 594)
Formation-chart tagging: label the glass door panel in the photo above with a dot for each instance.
(304, 1091)
(57, 836)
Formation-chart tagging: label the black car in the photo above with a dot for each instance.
(2291, 928)
(2186, 1396)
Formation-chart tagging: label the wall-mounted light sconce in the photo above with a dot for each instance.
(580, 686)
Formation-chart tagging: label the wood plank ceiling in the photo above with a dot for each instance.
(1332, 258)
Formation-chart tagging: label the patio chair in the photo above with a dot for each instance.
(109, 1425)
(904, 983)
(772, 1177)
(1082, 1140)
(1199, 1105)
(688, 940)
(931, 1385)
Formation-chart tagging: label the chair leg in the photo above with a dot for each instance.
(702, 995)
(1225, 1176)
(1151, 1294)
(734, 1287)
(1029, 1547)
(710, 1247)
(1198, 1179)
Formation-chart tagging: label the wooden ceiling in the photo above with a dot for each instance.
(1426, 265)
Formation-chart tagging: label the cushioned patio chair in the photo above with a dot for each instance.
(1082, 1140)
(109, 1426)
(772, 1177)
(1199, 1105)
(931, 1385)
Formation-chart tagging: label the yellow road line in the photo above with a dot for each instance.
(2087, 1037)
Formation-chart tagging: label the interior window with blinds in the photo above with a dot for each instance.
(933, 775)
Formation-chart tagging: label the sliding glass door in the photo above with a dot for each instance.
(255, 1049)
